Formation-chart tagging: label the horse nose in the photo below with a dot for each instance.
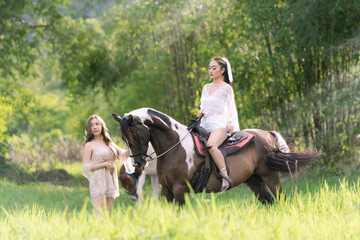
(137, 165)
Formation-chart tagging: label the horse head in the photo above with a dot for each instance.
(137, 137)
(129, 181)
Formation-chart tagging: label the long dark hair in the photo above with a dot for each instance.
(223, 64)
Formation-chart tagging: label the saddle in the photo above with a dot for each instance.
(235, 142)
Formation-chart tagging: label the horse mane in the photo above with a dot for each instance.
(125, 129)
(145, 115)
(149, 114)
(165, 118)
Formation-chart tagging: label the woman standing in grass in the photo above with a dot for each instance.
(99, 166)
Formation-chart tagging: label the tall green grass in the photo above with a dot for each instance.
(322, 208)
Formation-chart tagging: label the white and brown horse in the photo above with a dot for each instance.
(258, 164)
(133, 179)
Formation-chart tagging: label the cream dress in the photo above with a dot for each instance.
(219, 108)
(101, 181)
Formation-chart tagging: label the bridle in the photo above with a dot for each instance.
(145, 157)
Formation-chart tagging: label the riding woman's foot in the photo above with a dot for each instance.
(226, 181)
(225, 185)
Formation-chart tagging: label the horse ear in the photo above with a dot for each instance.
(117, 117)
(131, 118)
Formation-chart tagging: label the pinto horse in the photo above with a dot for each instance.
(133, 179)
(258, 164)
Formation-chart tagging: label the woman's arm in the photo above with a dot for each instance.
(122, 153)
(201, 111)
(233, 123)
(231, 111)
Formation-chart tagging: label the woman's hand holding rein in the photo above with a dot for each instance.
(199, 113)
(230, 127)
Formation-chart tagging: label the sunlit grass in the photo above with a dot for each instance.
(320, 209)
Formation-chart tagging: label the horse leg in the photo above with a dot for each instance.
(179, 193)
(165, 191)
(141, 184)
(273, 182)
(257, 185)
(155, 186)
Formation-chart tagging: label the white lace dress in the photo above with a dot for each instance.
(219, 108)
(101, 181)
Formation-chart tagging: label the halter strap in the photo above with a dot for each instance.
(131, 175)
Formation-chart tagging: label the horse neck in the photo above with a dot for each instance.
(163, 138)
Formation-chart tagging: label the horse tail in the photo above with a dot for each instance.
(283, 160)
(280, 141)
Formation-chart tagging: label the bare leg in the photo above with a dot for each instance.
(217, 137)
(109, 203)
(98, 204)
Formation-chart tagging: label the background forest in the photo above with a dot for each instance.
(295, 65)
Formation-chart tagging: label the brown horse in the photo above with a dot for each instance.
(258, 164)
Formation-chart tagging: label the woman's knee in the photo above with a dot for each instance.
(209, 144)
(212, 142)
(212, 149)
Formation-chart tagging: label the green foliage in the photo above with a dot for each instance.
(5, 111)
(312, 72)
(295, 66)
(23, 25)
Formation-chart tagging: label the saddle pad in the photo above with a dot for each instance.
(229, 149)
(198, 147)
(241, 143)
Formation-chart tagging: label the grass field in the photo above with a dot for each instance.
(320, 208)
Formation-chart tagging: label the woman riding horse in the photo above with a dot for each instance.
(258, 164)
(219, 112)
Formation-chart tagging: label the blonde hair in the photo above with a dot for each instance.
(89, 136)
